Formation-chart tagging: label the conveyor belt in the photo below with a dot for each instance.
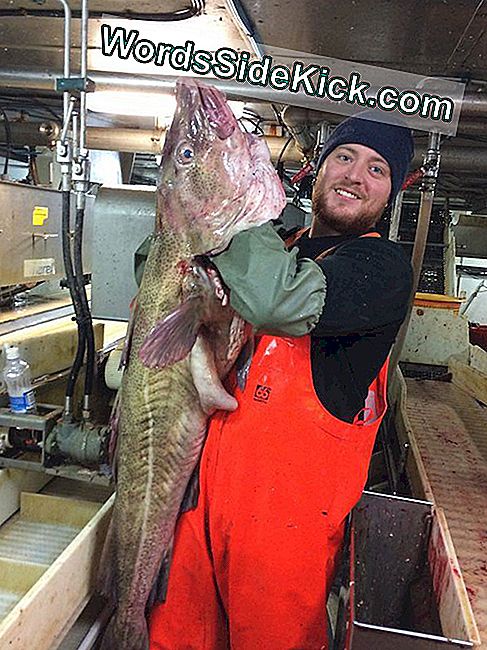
(450, 431)
(33, 541)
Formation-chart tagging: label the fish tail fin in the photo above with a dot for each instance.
(125, 635)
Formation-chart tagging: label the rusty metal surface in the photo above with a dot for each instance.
(390, 542)
(444, 422)
(397, 593)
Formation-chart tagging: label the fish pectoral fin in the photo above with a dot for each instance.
(171, 338)
(213, 396)
(192, 493)
(242, 364)
(158, 593)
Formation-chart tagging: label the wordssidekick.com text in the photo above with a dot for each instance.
(314, 81)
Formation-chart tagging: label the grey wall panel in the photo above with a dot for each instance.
(122, 218)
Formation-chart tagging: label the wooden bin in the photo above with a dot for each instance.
(49, 554)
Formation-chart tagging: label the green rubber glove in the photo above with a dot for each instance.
(269, 287)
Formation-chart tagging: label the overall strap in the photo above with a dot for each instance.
(290, 241)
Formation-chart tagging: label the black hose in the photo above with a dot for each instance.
(73, 290)
(8, 134)
(80, 285)
(181, 14)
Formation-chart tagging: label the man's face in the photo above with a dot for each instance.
(351, 191)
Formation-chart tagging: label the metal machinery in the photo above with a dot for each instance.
(42, 236)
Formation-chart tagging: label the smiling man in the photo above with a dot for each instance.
(255, 559)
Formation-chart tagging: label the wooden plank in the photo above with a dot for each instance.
(39, 620)
(19, 576)
(49, 347)
(57, 510)
(454, 607)
(478, 358)
(469, 379)
(415, 469)
(12, 483)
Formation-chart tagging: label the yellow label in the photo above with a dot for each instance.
(39, 215)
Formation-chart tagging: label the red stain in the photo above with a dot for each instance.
(182, 266)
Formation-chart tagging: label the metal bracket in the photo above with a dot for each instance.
(81, 169)
(431, 163)
(75, 85)
(64, 151)
(42, 421)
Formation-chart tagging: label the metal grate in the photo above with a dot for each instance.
(432, 278)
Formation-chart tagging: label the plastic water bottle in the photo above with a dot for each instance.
(16, 375)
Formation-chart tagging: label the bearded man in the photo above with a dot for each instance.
(254, 562)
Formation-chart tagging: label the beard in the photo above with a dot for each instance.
(335, 219)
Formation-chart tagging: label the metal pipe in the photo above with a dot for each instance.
(456, 158)
(131, 140)
(472, 105)
(32, 133)
(67, 53)
(431, 165)
(127, 140)
(396, 217)
(84, 69)
(472, 127)
(472, 297)
(242, 22)
(64, 132)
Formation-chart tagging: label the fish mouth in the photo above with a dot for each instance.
(211, 101)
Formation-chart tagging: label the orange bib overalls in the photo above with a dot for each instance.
(254, 562)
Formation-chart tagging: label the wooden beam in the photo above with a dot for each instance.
(469, 379)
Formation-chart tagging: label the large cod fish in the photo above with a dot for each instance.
(215, 181)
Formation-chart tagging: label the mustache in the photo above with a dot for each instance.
(346, 226)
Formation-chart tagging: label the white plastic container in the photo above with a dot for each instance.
(16, 375)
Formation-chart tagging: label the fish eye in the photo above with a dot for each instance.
(185, 154)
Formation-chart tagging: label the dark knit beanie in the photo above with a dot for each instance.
(393, 142)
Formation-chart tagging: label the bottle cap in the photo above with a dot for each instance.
(12, 352)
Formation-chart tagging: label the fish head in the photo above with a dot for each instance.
(215, 179)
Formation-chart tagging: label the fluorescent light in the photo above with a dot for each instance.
(132, 103)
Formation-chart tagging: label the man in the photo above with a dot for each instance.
(254, 562)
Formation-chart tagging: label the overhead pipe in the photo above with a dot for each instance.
(473, 104)
(130, 140)
(302, 127)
